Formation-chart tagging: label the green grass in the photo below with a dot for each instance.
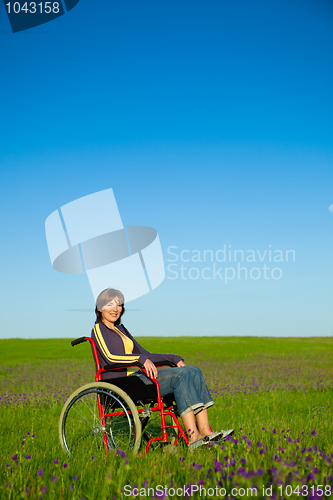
(208, 348)
(260, 385)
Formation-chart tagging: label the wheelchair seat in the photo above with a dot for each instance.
(138, 391)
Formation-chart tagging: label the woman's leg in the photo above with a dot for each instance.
(192, 398)
(179, 381)
(191, 427)
(200, 385)
(203, 423)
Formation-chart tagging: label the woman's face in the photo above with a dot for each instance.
(111, 311)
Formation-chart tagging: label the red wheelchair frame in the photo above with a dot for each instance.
(163, 410)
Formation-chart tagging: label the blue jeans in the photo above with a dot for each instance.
(188, 386)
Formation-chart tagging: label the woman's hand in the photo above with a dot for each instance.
(151, 369)
(181, 363)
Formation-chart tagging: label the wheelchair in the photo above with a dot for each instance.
(103, 416)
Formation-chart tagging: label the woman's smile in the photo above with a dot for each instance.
(111, 312)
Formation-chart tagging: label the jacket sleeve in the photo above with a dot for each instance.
(173, 358)
(107, 350)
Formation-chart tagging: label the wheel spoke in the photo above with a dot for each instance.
(82, 429)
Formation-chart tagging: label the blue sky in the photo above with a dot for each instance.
(211, 122)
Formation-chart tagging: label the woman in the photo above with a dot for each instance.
(116, 345)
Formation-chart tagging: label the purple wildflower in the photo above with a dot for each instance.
(75, 477)
(259, 444)
(145, 484)
(71, 487)
(56, 461)
(218, 466)
(65, 466)
(40, 472)
(53, 479)
(314, 433)
(14, 457)
(43, 490)
(274, 431)
(28, 457)
(26, 491)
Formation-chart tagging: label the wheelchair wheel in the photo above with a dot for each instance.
(99, 417)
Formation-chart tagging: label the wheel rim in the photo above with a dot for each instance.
(84, 430)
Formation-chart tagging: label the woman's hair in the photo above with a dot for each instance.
(104, 298)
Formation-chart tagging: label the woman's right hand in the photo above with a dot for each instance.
(151, 369)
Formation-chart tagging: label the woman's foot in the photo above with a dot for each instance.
(196, 437)
(209, 434)
(219, 435)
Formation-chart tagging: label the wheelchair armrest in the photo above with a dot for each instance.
(79, 341)
(165, 363)
(118, 366)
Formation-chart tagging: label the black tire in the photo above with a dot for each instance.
(81, 429)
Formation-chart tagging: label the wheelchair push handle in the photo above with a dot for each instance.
(79, 341)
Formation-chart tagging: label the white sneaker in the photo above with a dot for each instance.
(227, 433)
(196, 444)
(219, 435)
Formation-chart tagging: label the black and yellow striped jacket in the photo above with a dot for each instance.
(111, 349)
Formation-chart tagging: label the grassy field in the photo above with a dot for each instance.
(276, 393)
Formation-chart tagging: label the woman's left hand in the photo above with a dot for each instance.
(181, 363)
